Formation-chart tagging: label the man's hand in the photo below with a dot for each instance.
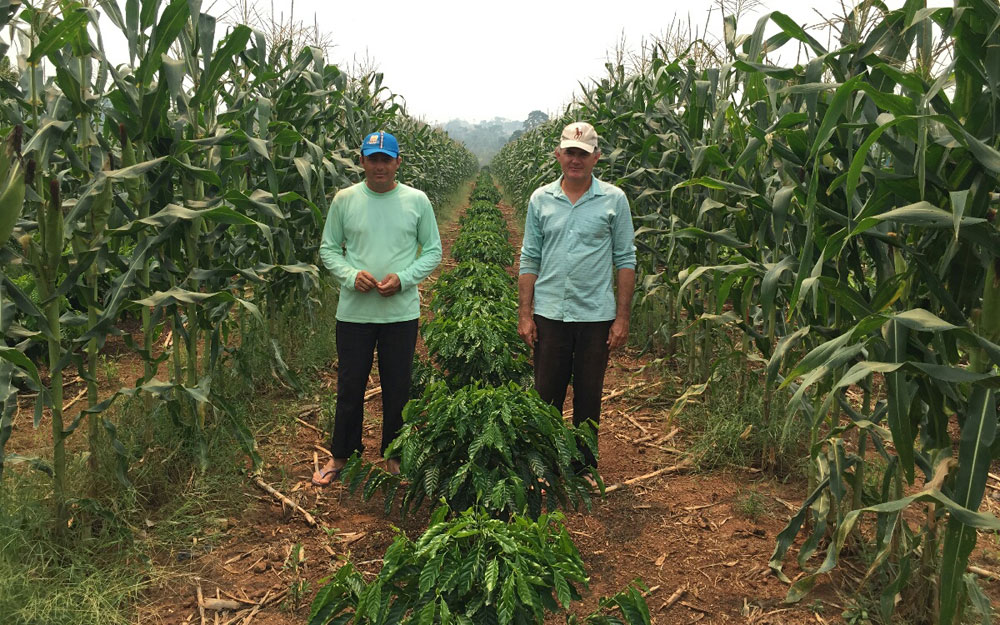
(618, 333)
(389, 285)
(365, 282)
(526, 328)
(525, 296)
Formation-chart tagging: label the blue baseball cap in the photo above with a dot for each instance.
(380, 142)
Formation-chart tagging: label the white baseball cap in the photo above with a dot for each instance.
(579, 135)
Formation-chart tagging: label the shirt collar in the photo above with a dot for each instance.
(596, 188)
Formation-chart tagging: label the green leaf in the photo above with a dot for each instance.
(562, 589)
(974, 457)
(223, 61)
(18, 359)
(492, 574)
(66, 30)
(900, 394)
(834, 112)
(172, 21)
(979, 598)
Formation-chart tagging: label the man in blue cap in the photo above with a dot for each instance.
(380, 240)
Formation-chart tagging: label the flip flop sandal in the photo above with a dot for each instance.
(405, 483)
(323, 473)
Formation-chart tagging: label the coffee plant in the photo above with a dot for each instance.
(471, 570)
(472, 279)
(422, 375)
(464, 307)
(489, 222)
(483, 245)
(486, 193)
(478, 208)
(477, 349)
(502, 449)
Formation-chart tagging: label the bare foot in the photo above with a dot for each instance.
(330, 472)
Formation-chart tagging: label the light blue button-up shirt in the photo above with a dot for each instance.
(572, 248)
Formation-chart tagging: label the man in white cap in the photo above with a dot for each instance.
(380, 240)
(577, 228)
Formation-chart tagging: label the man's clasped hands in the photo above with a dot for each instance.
(365, 282)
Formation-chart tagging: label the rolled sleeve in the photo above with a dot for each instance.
(623, 236)
(531, 244)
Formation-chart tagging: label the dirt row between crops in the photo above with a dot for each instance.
(681, 532)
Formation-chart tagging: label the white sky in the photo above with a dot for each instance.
(473, 61)
(478, 61)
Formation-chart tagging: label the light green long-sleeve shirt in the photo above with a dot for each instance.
(381, 233)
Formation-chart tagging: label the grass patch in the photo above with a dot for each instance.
(446, 211)
(93, 576)
(650, 327)
(296, 343)
(729, 429)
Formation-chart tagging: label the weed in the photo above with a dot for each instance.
(731, 430)
(855, 614)
(299, 588)
(752, 505)
(445, 211)
(93, 578)
(296, 342)
(109, 370)
(651, 327)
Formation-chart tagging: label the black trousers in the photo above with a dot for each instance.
(356, 346)
(577, 350)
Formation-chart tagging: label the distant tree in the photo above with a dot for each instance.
(514, 136)
(485, 138)
(535, 119)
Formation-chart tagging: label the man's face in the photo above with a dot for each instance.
(577, 165)
(380, 171)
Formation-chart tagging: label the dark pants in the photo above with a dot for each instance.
(578, 350)
(356, 345)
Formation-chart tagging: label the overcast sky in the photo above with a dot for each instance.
(478, 61)
(452, 59)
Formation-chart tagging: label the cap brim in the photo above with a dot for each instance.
(367, 152)
(586, 147)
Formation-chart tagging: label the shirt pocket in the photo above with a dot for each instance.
(594, 229)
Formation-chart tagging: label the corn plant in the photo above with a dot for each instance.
(14, 363)
(186, 188)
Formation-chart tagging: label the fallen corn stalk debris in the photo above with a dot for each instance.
(267, 488)
(683, 464)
